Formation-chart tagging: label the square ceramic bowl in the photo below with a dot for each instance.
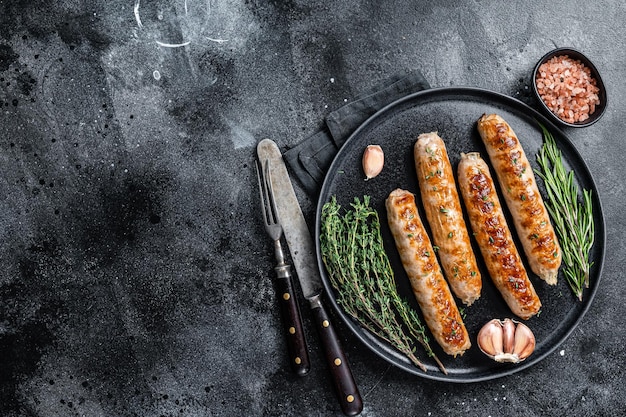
(586, 62)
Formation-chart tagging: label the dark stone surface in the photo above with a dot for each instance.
(135, 268)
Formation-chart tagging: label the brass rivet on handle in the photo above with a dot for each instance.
(286, 296)
(325, 323)
(292, 330)
(337, 361)
(350, 398)
(298, 361)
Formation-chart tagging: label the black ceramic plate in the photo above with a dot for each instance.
(453, 113)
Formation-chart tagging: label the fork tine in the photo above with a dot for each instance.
(270, 189)
(262, 192)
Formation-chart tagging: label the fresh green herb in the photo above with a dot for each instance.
(521, 174)
(359, 270)
(572, 217)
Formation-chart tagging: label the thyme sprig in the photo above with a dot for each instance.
(359, 270)
(572, 217)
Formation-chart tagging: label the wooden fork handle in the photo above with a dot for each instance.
(292, 320)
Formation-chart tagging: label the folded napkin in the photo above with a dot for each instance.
(310, 159)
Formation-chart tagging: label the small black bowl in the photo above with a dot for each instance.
(573, 54)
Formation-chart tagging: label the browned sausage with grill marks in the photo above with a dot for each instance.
(494, 237)
(420, 263)
(445, 217)
(519, 188)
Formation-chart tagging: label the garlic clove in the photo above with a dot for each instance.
(490, 338)
(506, 341)
(508, 335)
(373, 161)
(524, 341)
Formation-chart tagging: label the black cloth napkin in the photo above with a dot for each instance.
(310, 159)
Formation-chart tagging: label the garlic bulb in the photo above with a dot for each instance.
(506, 340)
(373, 161)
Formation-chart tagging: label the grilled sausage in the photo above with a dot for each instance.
(494, 237)
(420, 263)
(522, 197)
(445, 217)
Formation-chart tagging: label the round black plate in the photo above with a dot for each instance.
(453, 113)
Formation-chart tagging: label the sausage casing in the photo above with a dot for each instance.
(522, 197)
(420, 263)
(445, 217)
(494, 237)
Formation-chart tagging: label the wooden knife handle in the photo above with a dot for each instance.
(345, 386)
(290, 312)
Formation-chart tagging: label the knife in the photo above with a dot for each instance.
(302, 252)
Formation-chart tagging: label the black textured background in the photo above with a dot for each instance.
(135, 278)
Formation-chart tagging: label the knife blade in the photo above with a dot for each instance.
(302, 252)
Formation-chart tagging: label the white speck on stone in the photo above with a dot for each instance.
(562, 353)
(332, 80)
(157, 75)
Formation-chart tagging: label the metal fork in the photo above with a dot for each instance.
(290, 310)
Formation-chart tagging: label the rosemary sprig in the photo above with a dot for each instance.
(359, 270)
(573, 218)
